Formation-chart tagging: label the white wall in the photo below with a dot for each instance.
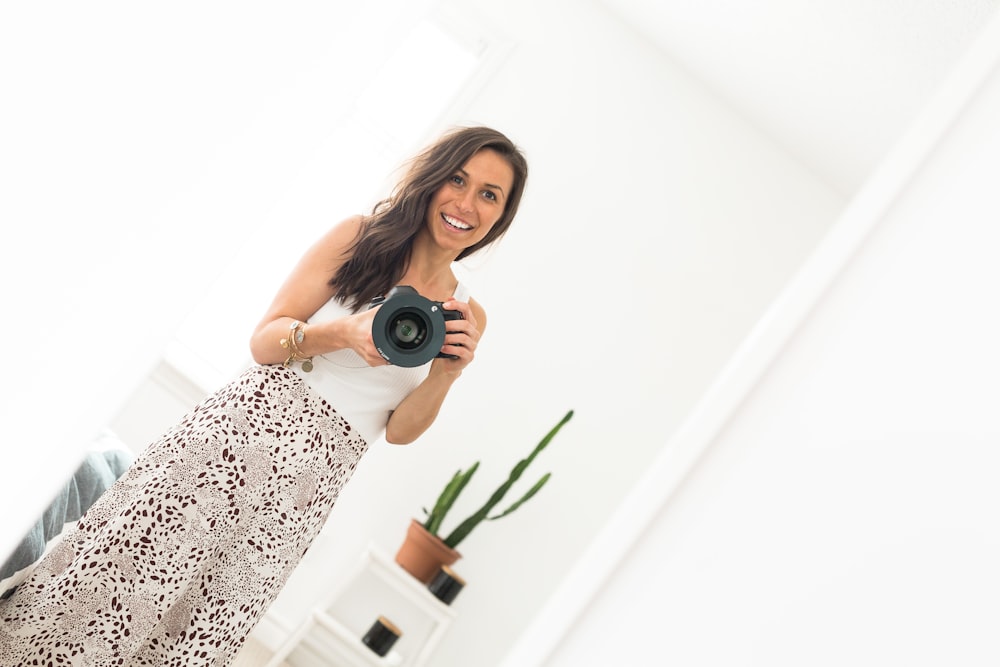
(656, 220)
(656, 227)
(140, 148)
(846, 512)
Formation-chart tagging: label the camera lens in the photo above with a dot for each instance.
(408, 331)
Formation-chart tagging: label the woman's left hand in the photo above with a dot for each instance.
(461, 339)
(419, 410)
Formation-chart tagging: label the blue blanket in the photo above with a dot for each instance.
(98, 471)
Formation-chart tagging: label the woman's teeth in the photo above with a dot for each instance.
(457, 224)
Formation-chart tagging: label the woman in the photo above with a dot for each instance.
(178, 561)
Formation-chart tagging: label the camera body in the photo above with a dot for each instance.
(409, 329)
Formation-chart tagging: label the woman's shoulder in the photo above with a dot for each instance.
(336, 243)
(478, 312)
(332, 248)
(345, 232)
(463, 293)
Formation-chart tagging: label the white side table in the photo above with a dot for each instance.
(378, 587)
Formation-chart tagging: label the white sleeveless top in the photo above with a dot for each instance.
(364, 395)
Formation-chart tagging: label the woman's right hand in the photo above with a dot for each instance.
(356, 332)
(303, 293)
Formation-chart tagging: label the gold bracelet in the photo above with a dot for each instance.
(296, 335)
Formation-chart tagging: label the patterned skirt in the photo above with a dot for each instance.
(179, 559)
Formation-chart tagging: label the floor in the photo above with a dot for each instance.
(254, 654)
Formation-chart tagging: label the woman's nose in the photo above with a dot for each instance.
(465, 201)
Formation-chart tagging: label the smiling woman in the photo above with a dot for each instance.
(662, 219)
(178, 561)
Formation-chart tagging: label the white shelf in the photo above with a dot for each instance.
(331, 635)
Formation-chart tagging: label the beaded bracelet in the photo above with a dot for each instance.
(296, 335)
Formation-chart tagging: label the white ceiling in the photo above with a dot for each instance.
(835, 82)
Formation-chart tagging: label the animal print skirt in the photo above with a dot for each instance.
(179, 559)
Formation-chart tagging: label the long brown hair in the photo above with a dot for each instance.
(380, 255)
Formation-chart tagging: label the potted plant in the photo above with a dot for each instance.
(424, 551)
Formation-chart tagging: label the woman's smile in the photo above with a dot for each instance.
(456, 223)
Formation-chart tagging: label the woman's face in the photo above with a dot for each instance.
(471, 201)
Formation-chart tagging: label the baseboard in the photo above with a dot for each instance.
(272, 631)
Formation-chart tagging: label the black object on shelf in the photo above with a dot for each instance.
(381, 636)
(446, 585)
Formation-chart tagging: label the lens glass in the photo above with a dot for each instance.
(408, 331)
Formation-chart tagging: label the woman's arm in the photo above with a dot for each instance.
(417, 412)
(304, 292)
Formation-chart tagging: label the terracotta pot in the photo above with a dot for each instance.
(423, 554)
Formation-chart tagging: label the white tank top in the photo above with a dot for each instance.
(364, 395)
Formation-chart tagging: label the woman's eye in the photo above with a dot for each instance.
(457, 180)
(489, 194)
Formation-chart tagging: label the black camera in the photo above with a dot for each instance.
(409, 329)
